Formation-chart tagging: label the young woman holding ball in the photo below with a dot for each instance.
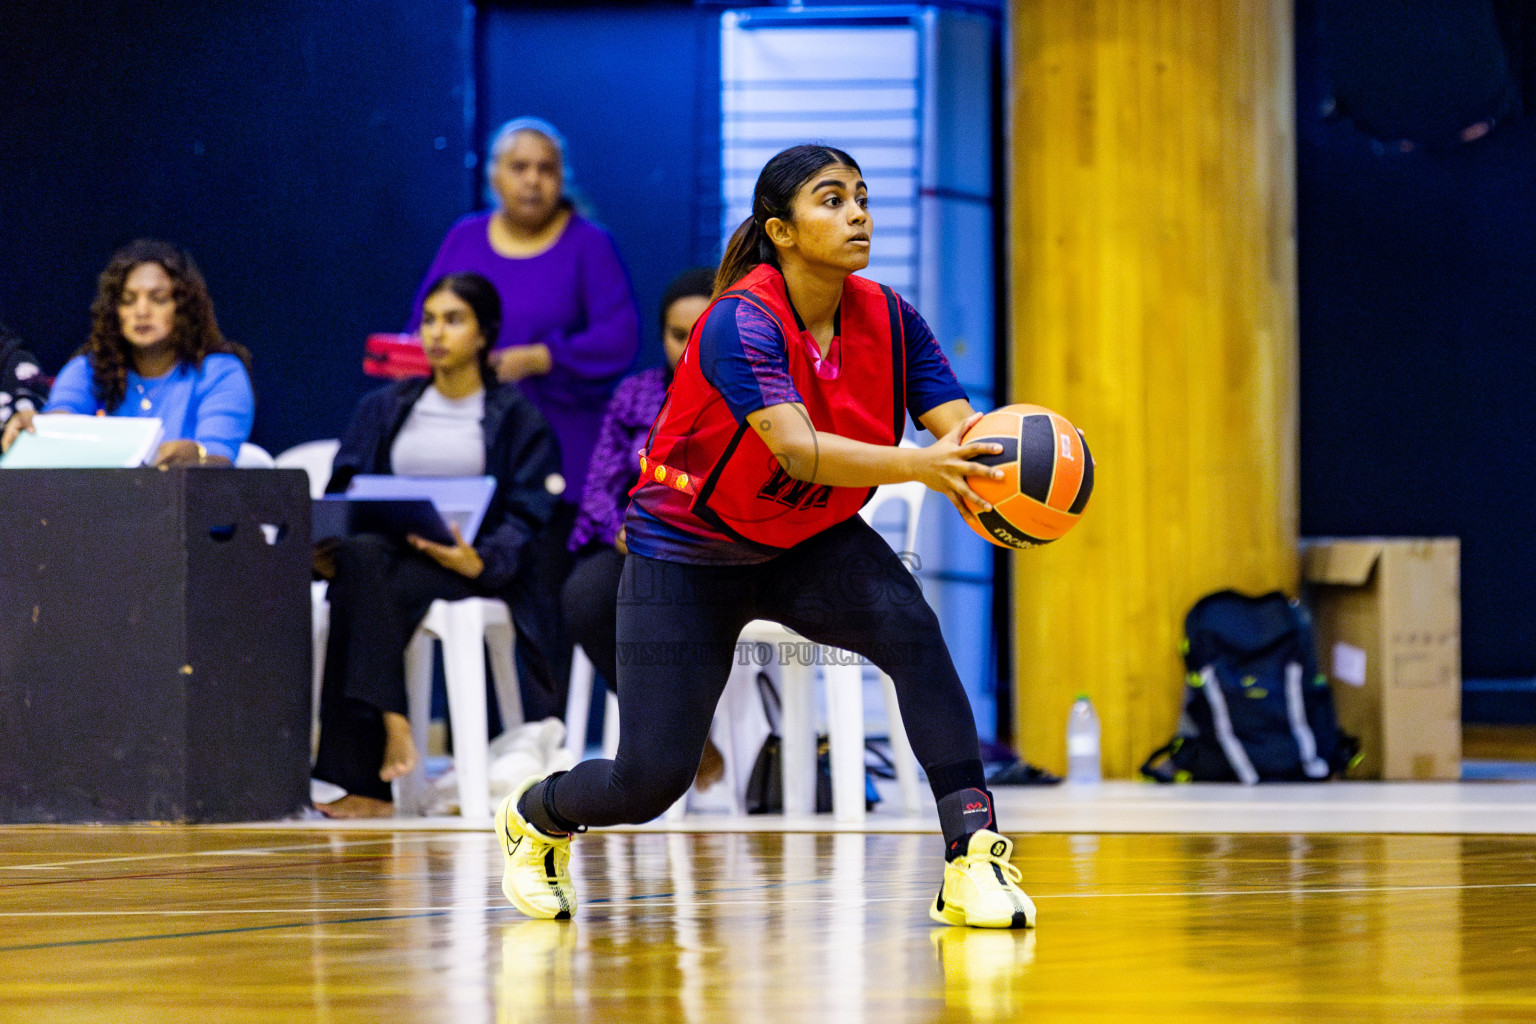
(785, 412)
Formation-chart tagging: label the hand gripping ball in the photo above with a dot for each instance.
(1047, 476)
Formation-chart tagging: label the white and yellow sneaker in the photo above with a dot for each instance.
(981, 889)
(537, 876)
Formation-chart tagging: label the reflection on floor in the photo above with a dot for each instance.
(247, 925)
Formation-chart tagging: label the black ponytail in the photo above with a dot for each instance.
(744, 251)
(773, 196)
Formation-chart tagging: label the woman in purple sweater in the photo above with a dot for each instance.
(571, 328)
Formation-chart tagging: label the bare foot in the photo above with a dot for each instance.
(354, 806)
(711, 767)
(399, 747)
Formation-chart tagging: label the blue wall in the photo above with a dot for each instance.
(636, 92)
(1417, 277)
(310, 157)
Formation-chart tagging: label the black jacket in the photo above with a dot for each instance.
(522, 454)
(33, 389)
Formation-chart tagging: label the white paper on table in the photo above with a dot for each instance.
(61, 440)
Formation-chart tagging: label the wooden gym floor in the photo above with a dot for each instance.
(257, 925)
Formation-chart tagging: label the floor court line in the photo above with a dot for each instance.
(374, 919)
(1296, 891)
(31, 947)
(182, 872)
(244, 910)
(240, 851)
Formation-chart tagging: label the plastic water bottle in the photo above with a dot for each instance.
(1083, 742)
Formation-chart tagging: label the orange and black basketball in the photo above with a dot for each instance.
(1047, 476)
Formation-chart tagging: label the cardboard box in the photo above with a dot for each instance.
(1388, 618)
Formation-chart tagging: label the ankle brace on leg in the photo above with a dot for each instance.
(961, 813)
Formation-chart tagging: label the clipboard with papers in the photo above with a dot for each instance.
(398, 506)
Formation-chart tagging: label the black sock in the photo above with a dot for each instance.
(537, 806)
(945, 779)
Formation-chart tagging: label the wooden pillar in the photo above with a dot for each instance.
(1153, 304)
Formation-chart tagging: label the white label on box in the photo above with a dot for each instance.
(1349, 664)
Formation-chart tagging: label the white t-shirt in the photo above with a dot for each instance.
(441, 437)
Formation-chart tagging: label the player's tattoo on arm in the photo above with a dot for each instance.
(815, 447)
(785, 459)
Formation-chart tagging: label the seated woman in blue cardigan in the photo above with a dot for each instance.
(155, 350)
(460, 422)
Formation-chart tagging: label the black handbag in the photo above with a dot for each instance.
(765, 784)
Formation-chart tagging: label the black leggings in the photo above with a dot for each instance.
(588, 605)
(677, 630)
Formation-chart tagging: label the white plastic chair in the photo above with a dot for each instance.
(844, 684)
(253, 456)
(467, 629)
(314, 458)
(320, 636)
(464, 628)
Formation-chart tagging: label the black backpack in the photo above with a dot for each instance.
(1256, 709)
